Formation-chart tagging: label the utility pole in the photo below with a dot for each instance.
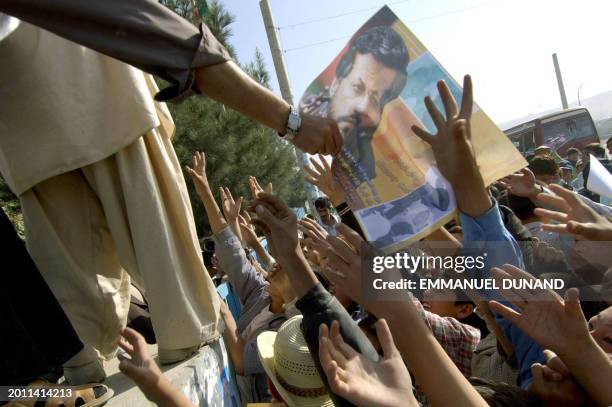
(283, 81)
(559, 81)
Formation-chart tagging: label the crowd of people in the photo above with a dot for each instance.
(305, 333)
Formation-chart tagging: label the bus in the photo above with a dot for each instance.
(559, 130)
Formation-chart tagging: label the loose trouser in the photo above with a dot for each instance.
(128, 213)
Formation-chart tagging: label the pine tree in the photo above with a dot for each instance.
(235, 146)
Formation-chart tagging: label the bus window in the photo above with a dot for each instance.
(524, 142)
(558, 133)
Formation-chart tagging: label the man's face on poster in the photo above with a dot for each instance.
(356, 99)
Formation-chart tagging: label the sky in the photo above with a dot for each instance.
(506, 45)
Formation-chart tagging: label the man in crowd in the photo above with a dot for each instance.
(545, 169)
(327, 220)
(573, 155)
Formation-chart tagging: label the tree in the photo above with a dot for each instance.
(216, 18)
(235, 146)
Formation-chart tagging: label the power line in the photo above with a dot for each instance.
(336, 16)
(408, 22)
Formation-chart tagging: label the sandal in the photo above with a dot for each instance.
(87, 395)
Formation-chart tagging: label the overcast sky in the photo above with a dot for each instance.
(505, 44)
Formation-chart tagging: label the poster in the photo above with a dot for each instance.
(374, 89)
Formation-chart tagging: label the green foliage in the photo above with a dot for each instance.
(235, 146)
(217, 18)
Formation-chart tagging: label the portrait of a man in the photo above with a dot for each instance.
(368, 76)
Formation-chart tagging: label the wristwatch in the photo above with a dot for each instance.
(294, 121)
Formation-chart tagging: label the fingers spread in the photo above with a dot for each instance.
(423, 135)
(450, 107)
(435, 114)
(467, 100)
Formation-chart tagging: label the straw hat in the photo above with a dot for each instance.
(288, 363)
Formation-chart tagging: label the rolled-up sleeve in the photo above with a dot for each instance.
(142, 33)
(488, 230)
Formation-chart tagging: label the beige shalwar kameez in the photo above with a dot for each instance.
(88, 152)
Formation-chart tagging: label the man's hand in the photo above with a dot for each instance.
(279, 223)
(521, 184)
(342, 261)
(363, 382)
(315, 239)
(554, 385)
(453, 151)
(318, 135)
(275, 218)
(198, 172)
(248, 232)
(574, 215)
(256, 188)
(321, 176)
(555, 323)
(141, 367)
(231, 207)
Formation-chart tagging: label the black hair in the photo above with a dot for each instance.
(572, 150)
(322, 202)
(388, 48)
(544, 165)
(498, 394)
(596, 149)
(522, 207)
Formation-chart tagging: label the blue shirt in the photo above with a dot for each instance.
(488, 234)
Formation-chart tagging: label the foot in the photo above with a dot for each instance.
(91, 372)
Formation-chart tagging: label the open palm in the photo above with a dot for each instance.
(359, 379)
(545, 317)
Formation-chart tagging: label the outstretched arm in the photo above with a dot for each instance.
(147, 35)
(251, 240)
(316, 304)
(200, 180)
(385, 383)
(559, 324)
(235, 344)
(421, 351)
(143, 370)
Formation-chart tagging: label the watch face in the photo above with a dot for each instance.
(294, 122)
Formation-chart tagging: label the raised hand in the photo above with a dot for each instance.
(555, 323)
(343, 261)
(318, 135)
(278, 222)
(575, 216)
(522, 184)
(453, 150)
(248, 232)
(363, 382)
(256, 188)
(321, 176)
(231, 207)
(141, 367)
(198, 171)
